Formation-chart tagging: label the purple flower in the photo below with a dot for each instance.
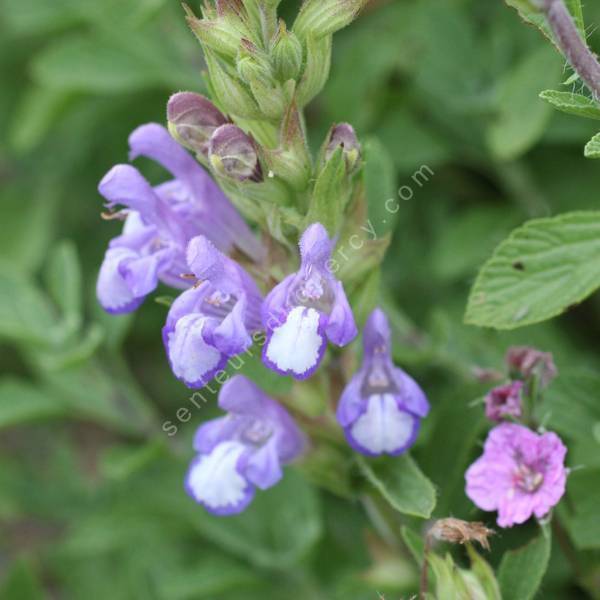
(519, 474)
(504, 401)
(161, 221)
(305, 310)
(242, 451)
(213, 321)
(382, 407)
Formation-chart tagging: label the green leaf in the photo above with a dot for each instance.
(380, 187)
(449, 582)
(592, 148)
(329, 195)
(520, 122)
(22, 402)
(64, 282)
(521, 571)
(544, 267)
(401, 483)
(415, 544)
(574, 104)
(25, 313)
(485, 574)
(26, 224)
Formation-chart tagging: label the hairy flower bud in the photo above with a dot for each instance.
(193, 119)
(231, 94)
(255, 70)
(343, 136)
(286, 54)
(232, 153)
(219, 34)
(324, 17)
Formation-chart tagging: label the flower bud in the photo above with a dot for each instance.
(231, 94)
(504, 402)
(193, 119)
(324, 17)
(343, 136)
(255, 70)
(233, 154)
(286, 54)
(528, 362)
(219, 35)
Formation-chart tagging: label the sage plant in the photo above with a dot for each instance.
(245, 235)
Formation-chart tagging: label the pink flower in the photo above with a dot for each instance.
(504, 401)
(520, 473)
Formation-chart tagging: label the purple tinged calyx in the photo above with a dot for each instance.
(232, 153)
(343, 136)
(193, 118)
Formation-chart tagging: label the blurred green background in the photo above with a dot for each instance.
(91, 497)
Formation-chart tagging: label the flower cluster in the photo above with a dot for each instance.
(521, 472)
(239, 289)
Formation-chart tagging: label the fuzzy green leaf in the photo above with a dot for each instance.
(544, 267)
(401, 483)
(592, 148)
(574, 104)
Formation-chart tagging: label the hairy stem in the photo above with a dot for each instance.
(572, 45)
